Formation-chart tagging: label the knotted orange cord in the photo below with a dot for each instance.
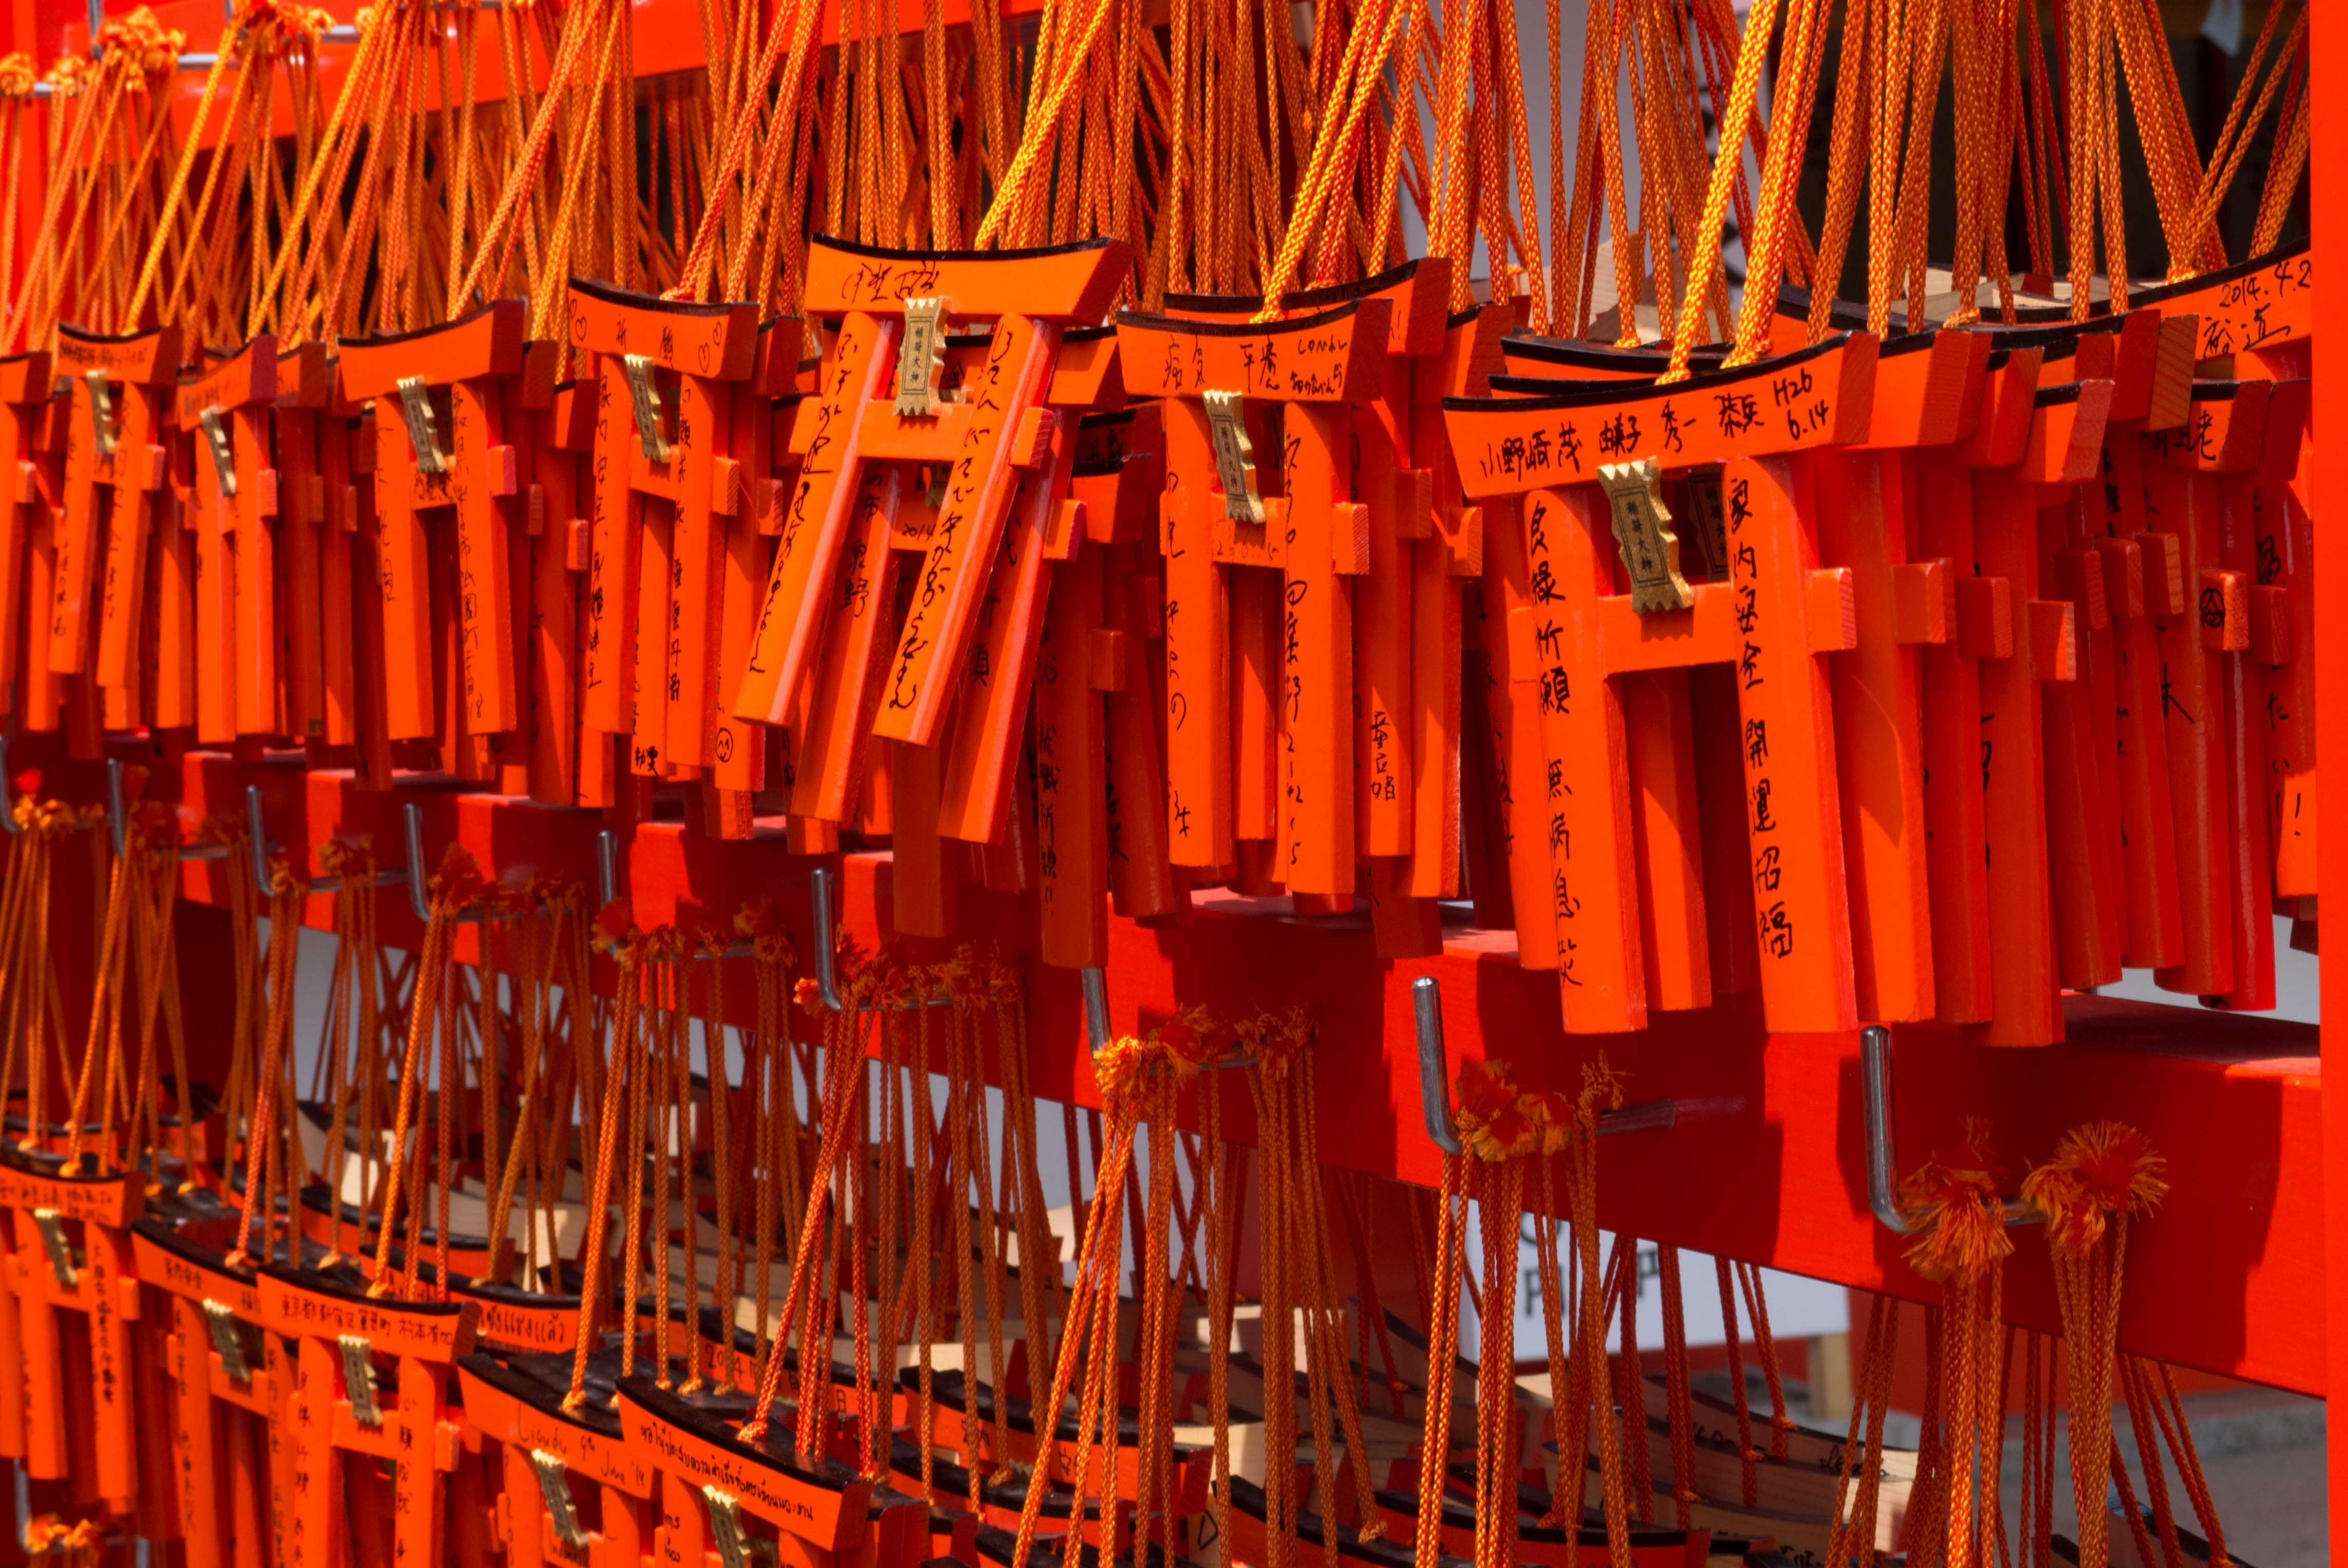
(572, 1045)
(651, 1109)
(1773, 211)
(963, 1166)
(260, 1157)
(1337, 143)
(1442, 1340)
(921, 1263)
(455, 887)
(539, 939)
(1295, 1235)
(767, 1069)
(1748, 1457)
(1049, 99)
(1680, 1417)
(2177, 1434)
(136, 53)
(2286, 167)
(1623, 1287)
(241, 41)
(725, 1272)
(1600, 1090)
(105, 1032)
(966, 985)
(75, 1546)
(2100, 1177)
(1224, 1167)
(843, 1082)
(2243, 116)
(996, 987)
(27, 978)
(616, 936)
(155, 891)
(1962, 1244)
(1852, 1534)
(353, 1002)
(1776, 218)
(17, 79)
(1125, 1070)
(1502, 1129)
(1756, 1307)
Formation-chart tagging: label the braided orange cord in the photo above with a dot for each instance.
(284, 938)
(1624, 1373)
(111, 953)
(1915, 179)
(2233, 140)
(1680, 1420)
(1501, 1209)
(1092, 1305)
(2168, 1410)
(1781, 169)
(2285, 168)
(1335, 146)
(2100, 1175)
(1329, 1351)
(1757, 1306)
(840, 1087)
(1442, 1344)
(1564, 1503)
(2136, 1392)
(1734, 128)
(1599, 1089)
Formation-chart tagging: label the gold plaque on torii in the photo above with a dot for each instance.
(1643, 532)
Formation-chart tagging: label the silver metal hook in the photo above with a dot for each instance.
(1882, 1160)
(1434, 1091)
(257, 833)
(117, 820)
(1095, 986)
(412, 825)
(821, 885)
(607, 888)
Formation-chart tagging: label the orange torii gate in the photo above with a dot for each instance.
(25, 398)
(116, 470)
(1294, 702)
(1589, 464)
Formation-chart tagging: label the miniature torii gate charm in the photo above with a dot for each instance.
(2201, 687)
(1032, 296)
(52, 1277)
(113, 451)
(338, 1407)
(1317, 369)
(445, 436)
(228, 408)
(1769, 621)
(224, 1399)
(684, 485)
(2066, 434)
(24, 399)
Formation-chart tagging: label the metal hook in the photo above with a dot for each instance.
(821, 890)
(1435, 1093)
(1095, 985)
(7, 794)
(607, 888)
(412, 824)
(1882, 1161)
(257, 833)
(117, 820)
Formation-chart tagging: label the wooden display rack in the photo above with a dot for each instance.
(2245, 1273)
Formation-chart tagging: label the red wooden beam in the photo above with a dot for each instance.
(2328, 217)
(1767, 1164)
